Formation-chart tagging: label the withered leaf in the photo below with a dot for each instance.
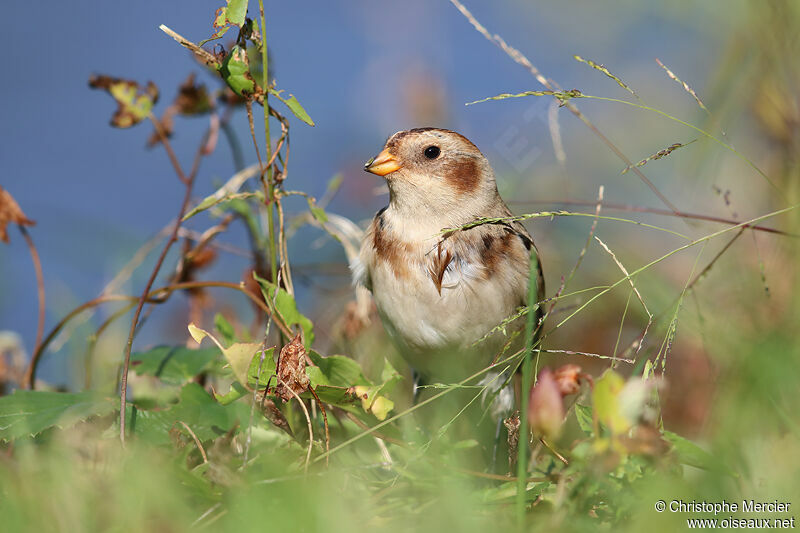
(134, 102)
(10, 212)
(272, 413)
(292, 370)
(512, 424)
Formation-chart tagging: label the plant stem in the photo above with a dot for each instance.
(188, 181)
(28, 381)
(522, 459)
(270, 196)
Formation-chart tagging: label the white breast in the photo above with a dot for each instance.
(426, 324)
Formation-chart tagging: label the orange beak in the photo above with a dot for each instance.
(383, 164)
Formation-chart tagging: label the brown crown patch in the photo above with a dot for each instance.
(398, 137)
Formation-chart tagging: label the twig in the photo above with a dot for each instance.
(655, 211)
(28, 380)
(206, 56)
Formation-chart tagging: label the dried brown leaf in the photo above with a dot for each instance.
(10, 212)
(292, 370)
(134, 102)
(568, 379)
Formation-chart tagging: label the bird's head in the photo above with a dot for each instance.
(432, 171)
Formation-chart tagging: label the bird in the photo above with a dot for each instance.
(438, 292)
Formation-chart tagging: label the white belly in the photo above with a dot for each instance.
(436, 332)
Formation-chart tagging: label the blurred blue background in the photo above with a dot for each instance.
(362, 69)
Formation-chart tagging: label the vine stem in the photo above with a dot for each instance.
(151, 297)
(188, 181)
(37, 266)
(268, 145)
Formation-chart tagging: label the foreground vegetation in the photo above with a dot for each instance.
(248, 426)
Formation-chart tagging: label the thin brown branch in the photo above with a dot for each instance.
(711, 263)
(189, 182)
(656, 211)
(162, 136)
(154, 296)
(37, 266)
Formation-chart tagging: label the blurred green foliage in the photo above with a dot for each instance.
(206, 453)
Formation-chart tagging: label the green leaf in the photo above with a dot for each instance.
(583, 413)
(30, 412)
(239, 354)
(237, 391)
(267, 370)
(195, 408)
(336, 370)
(236, 12)
(286, 308)
(214, 200)
(339, 396)
(294, 106)
(173, 364)
(235, 70)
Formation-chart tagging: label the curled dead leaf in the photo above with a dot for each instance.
(512, 424)
(10, 212)
(292, 370)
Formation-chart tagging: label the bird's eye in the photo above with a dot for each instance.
(432, 152)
